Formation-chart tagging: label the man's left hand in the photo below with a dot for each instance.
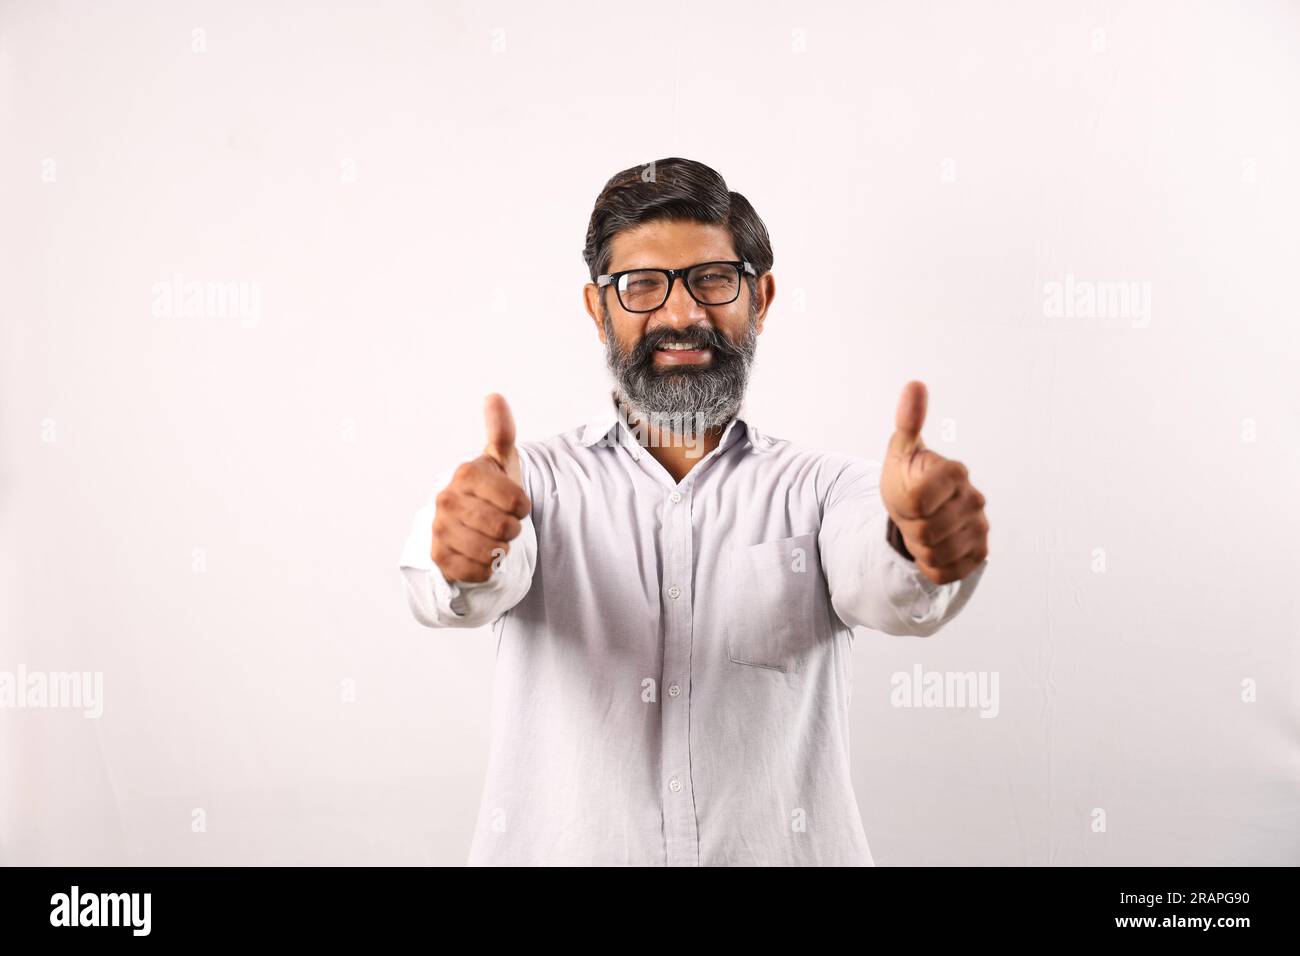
(939, 513)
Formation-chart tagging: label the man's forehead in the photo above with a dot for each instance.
(668, 245)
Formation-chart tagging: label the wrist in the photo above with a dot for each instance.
(895, 539)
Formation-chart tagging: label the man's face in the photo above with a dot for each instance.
(684, 362)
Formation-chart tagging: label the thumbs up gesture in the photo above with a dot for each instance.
(501, 437)
(938, 513)
(478, 514)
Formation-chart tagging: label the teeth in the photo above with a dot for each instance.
(678, 347)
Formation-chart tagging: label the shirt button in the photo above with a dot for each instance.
(674, 592)
(675, 497)
(674, 785)
(674, 690)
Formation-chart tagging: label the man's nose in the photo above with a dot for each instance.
(681, 311)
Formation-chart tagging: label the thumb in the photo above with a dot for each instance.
(908, 420)
(500, 430)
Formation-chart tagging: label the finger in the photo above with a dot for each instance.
(456, 567)
(472, 544)
(960, 568)
(481, 478)
(485, 518)
(908, 420)
(955, 547)
(965, 503)
(500, 429)
(937, 483)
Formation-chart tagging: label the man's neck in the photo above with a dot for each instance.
(677, 451)
(678, 459)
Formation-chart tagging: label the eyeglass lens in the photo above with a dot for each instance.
(712, 283)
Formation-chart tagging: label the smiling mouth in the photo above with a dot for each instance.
(674, 353)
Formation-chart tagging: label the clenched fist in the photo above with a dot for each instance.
(477, 515)
(938, 511)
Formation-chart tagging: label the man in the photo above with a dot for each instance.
(673, 591)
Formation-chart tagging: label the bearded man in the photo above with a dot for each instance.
(673, 592)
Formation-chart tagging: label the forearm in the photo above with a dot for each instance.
(873, 580)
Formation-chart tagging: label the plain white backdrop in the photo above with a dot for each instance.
(208, 509)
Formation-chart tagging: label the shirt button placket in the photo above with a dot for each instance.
(680, 831)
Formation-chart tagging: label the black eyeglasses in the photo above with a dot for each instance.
(709, 283)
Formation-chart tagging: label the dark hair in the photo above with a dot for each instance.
(674, 189)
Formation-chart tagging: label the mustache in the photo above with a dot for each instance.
(700, 337)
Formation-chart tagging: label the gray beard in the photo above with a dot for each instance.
(683, 403)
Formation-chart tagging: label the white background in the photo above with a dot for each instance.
(409, 185)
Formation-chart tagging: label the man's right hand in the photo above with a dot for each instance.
(478, 514)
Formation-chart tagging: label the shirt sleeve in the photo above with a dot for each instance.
(436, 602)
(871, 584)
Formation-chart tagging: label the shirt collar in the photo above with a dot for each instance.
(607, 419)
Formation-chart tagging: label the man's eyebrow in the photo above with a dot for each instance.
(719, 258)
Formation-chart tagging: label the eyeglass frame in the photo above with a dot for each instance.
(611, 278)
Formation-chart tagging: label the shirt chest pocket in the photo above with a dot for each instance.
(776, 603)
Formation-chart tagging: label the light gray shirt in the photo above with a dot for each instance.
(672, 672)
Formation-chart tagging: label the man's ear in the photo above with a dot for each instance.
(765, 292)
(591, 301)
